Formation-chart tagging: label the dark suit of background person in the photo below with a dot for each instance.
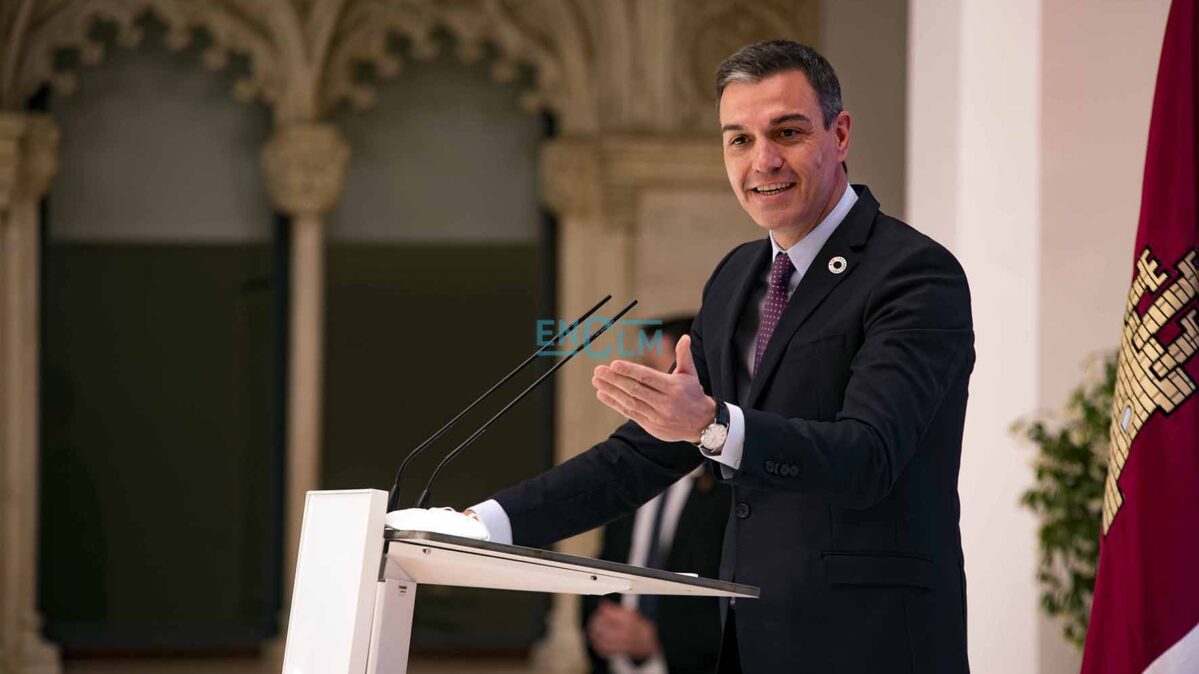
(845, 508)
(687, 628)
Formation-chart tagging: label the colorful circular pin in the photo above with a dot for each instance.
(837, 264)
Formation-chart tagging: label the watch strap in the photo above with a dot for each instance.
(722, 413)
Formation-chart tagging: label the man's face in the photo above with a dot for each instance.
(783, 165)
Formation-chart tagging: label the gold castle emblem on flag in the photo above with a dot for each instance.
(1151, 377)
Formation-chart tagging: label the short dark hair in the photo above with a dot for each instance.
(754, 63)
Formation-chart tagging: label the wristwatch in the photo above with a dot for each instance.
(711, 440)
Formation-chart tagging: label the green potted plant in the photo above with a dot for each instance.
(1067, 497)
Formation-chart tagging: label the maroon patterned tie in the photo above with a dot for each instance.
(776, 301)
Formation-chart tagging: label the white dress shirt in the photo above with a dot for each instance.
(802, 253)
(492, 514)
(673, 500)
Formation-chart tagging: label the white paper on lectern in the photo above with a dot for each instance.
(438, 520)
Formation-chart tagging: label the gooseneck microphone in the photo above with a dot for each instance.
(423, 501)
(393, 498)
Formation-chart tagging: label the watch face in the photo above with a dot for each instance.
(713, 436)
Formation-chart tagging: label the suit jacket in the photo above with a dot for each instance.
(845, 506)
(688, 627)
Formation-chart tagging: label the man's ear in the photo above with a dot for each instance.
(842, 127)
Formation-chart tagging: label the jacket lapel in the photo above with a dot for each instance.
(846, 241)
(728, 349)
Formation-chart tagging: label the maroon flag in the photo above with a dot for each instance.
(1145, 616)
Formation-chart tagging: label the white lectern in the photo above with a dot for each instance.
(351, 608)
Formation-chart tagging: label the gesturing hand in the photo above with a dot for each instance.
(670, 407)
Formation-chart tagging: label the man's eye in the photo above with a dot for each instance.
(789, 133)
(737, 140)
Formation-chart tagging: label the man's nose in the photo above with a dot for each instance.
(766, 158)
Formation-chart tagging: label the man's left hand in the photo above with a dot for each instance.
(671, 407)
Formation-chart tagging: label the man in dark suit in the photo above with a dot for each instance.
(680, 530)
(825, 379)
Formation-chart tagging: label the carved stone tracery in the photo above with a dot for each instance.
(540, 34)
(242, 26)
(616, 65)
(710, 30)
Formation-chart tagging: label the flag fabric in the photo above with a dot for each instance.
(1145, 615)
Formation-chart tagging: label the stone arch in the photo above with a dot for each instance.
(713, 29)
(544, 35)
(259, 33)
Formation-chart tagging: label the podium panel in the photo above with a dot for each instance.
(440, 559)
(352, 604)
(337, 571)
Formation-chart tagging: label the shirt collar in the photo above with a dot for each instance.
(806, 249)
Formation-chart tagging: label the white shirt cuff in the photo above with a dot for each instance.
(492, 515)
(734, 443)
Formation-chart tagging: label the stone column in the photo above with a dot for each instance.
(598, 187)
(974, 162)
(592, 262)
(28, 162)
(305, 166)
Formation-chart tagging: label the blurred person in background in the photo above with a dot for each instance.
(681, 530)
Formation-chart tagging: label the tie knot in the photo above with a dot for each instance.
(780, 271)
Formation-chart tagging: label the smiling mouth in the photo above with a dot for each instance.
(772, 189)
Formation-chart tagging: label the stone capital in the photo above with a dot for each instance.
(305, 166)
(28, 157)
(572, 177)
(601, 177)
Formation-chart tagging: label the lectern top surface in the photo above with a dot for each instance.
(433, 539)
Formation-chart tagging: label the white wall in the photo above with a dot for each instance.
(445, 154)
(155, 148)
(1027, 123)
(974, 183)
(1099, 65)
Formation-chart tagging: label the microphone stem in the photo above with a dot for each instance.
(423, 501)
(393, 499)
